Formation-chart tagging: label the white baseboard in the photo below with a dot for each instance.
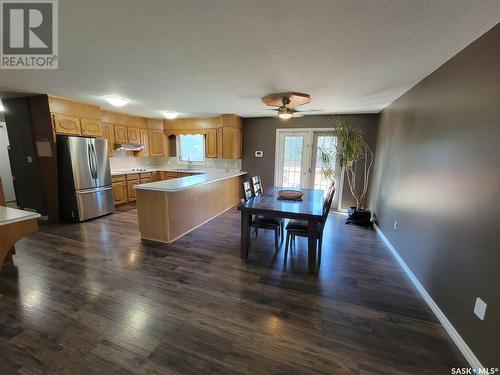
(455, 336)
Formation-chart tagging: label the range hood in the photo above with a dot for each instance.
(128, 147)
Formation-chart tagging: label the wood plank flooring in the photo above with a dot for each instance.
(92, 298)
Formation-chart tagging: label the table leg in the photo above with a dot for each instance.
(312, 229)
(245, 234)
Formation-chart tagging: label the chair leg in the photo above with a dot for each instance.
(276, 239)
(320, 244)
(256, 231)
(282, 226)
(286, 246)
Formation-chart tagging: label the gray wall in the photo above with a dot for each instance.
(260, 134)
(437, 173)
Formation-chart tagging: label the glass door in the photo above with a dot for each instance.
(292, 159)
(327, 143)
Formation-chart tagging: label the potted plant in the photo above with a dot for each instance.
(353, 156)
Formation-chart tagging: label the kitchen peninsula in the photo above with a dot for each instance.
(169, 209)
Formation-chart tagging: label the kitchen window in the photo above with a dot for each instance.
(192, 148)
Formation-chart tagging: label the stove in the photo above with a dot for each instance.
(138, 170)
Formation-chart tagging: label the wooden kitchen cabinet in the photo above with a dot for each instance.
(157, 176)
(107, 133)
(130, 190)
(232, 143)
(120, 133)
(211, 143)
(156, 142)
(65, 124)
(133, 135)
(144, 142)
(219, 143)
(171, 175)
(91, 127)
(119, 193)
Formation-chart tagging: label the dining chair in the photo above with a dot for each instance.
(299, 227)
(265, 222)
(247, 189)
(257, 185)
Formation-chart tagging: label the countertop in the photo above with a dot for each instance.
(12, 215)
(160, 169)
(182, 183)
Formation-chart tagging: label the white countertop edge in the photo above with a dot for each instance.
(22, 215)
(208, 176)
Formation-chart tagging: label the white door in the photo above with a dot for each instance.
(292, 159)
(5, 171)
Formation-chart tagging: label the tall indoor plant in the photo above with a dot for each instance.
(355, 158)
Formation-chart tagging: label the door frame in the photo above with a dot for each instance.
(278, 161)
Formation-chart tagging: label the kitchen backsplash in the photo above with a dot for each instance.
(121, 161)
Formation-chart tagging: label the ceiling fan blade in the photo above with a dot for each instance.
(308, 110)
(297, 114)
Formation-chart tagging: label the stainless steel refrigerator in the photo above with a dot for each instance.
(85, 190)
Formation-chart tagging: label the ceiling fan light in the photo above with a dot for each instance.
(285, 115)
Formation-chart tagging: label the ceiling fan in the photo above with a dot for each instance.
(286, 102)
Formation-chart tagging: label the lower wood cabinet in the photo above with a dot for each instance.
(120, 193)
(131, 191)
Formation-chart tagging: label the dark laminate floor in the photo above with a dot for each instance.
(91, 298)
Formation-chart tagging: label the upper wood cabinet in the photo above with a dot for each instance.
(144, 142)
(211, 143)
(219, 143)
(65, 124)
(133, 135)
(156, 143)
(91, 128)
(120, 132)
(231, 143)
(107, 133)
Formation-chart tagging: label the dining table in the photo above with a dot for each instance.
(309, 208)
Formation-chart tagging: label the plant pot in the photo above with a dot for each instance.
(359, 217)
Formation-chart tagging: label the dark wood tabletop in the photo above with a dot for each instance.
(310, 207)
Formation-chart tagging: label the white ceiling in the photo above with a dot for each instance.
(221, 56)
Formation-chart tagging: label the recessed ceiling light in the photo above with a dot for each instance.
(116, 101)
(2, 108)
(170, 115)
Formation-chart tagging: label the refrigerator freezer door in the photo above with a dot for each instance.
(95, 202)
(82, 162)
(100, 150)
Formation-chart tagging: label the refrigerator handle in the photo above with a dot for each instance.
(90, 160)
(94, 155)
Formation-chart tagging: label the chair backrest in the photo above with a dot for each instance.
(247, 188)
(327, 204)
(257, 185)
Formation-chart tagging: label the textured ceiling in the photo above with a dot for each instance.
(210, 57)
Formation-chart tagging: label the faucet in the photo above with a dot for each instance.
(190, 164)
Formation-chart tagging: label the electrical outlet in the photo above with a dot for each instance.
(480, 308)
(395, 225)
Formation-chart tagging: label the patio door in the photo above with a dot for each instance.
(292, 159)
(299, 161)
